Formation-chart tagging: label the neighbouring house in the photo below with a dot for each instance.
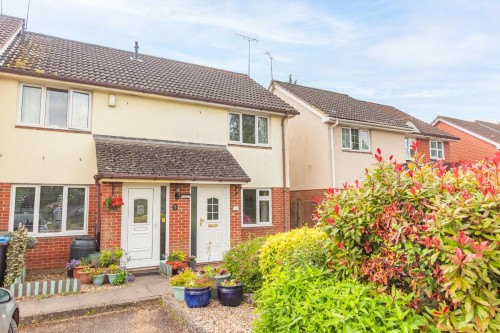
(198, 154)
(478, 139)
(334, 139)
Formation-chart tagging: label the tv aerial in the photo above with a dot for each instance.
(250, 40)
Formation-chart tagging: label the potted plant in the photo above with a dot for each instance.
(70, 266)
(221, 275)
(85, 275)
(84, 263)
(97, 275)
(113, 203)
(197, 292)
(192, 262)
(175, 262)
(230, 292)
(180, 281)
(113, 271)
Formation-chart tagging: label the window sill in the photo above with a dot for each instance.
(59, 234)
(249, 146)
(261, 225)
(356, 151)
(53, 129)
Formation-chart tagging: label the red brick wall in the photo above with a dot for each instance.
(111, 220)
(180, 220)
(424, 147)
(235, 219)
(4, 206)
(469, 147)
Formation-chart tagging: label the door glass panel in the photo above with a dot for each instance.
(212, 209)
(51, 209)
(140, 211)
(24, 207)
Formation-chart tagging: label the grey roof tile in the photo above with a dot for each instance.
(485, 129)
(344, 107)
(154, 159)
(8, 27)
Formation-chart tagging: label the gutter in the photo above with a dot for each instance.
(369, 125)
(97, 232)
(145, 177)
(286, 226)
(332, 153)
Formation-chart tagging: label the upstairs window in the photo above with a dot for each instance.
(355, 139)
(409, 152)
(248, 129)
(51, 107)
(437, 150)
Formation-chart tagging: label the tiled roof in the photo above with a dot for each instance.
(8, 27)
(344, 107)
(153, 159)
(40, 55)
(485, 129)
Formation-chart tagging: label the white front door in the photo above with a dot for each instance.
(213, 223)
(140, 242)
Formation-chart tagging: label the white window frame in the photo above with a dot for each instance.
(240, 141)
(408, 143)
(36, 212)
(435, 157)
(359, 139)
(258, 199)
(44, 105)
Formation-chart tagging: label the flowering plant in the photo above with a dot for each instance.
(192, 258)
(72, 263)
(113, 203)
(230, 283)
(176, 264)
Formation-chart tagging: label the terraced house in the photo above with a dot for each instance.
(199, 155)
(335, 137)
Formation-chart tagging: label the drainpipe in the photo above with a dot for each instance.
(332, 153)
(97, 233)
(283, 151)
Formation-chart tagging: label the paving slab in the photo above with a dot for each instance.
(144, 289)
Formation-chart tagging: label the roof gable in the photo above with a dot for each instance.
(40, 55)
(9, 27)
(344, 107)
(485, 130)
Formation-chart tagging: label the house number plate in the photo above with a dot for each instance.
(213, 225)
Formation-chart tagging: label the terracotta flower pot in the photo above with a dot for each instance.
(76, 271)
(85, 277)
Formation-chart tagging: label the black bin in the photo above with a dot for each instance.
(4, 244)
(81, 247)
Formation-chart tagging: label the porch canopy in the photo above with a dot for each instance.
(130, 158)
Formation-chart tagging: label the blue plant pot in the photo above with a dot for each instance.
(112, 277)
(197, 297)
(222, 278)
(98, 280)
(230, 296)
(178, 293)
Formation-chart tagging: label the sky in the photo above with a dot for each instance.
(425, 57)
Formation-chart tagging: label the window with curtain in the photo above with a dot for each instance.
(355, 139)
(248, 129)
(256, 207)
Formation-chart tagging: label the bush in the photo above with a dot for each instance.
(308, 300)
(183, 278)
(242, 261)
(16, 255)
(431, 233)
(297, 248)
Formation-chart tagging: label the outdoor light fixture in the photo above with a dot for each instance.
(177, 195)
(112, 100)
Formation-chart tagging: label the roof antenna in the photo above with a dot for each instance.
(272, 59)
(27, 16)
(1, 7)
(136, 47)
(249, 39)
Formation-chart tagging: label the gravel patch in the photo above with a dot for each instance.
(215, 318)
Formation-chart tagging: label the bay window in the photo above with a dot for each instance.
(49, 209)
(256, 207)
(51, 107)
(248, 129)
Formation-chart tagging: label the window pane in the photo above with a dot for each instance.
(56, 109)
(234, 127)
(249, 206)
(51, 207)
(264, 211)
(76, 209)
(263, 131)
(81, 107)
(440, 145)
(355, 139)
(248, 129)
(365, 139)
(433, 144)
(24, 207)
(140, 211)
(212, 209)
(263, 193)
(346, 138)
(30, 107)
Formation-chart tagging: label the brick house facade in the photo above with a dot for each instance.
(477, 139)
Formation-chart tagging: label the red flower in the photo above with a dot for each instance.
(316, 199)
(379, 151)
(331, 190)
(337, 209)
(341, 245)
(414, 145)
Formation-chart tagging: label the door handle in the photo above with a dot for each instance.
(201, 221)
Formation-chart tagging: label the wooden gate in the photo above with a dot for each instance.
(301, 213)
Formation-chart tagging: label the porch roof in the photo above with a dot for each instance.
(130, 158)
